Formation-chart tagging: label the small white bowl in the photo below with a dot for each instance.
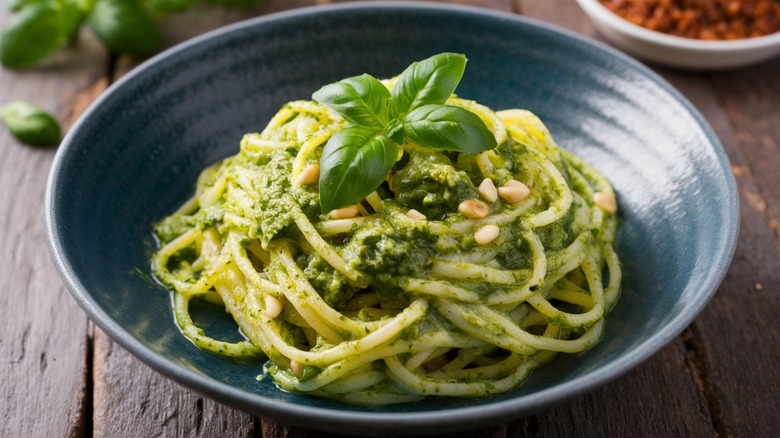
(677, 51)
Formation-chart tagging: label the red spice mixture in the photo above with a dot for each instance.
(702, 19)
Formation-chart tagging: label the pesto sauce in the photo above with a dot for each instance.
(430, 184)
(272, 210)
(381, 252)
(329, 283)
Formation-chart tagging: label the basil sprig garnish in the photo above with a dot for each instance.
(358, 158)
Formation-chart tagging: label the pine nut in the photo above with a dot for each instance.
(488, 190)
(605, 202)
(416, 215)
(513, 191)
(486, 234)
(344, 213)
(309, 175)
(296, 368)
(273, 307)
(473, 208)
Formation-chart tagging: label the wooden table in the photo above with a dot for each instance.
(60, 375)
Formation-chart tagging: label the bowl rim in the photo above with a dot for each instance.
(326, 418)
(608, 18)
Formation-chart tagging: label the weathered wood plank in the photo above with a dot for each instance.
(132, 400)
(659, 398)
(671, 402)
(202, 18)
(43, 334)
(741, 389)
(734, 341)
(739, 328)
(564, 13)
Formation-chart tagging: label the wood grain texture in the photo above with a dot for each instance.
(59, 376)
(660, 397)
(43, 333)
(563, 13)
(738, 330)
(132, 400)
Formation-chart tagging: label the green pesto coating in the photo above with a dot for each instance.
(329, 283)
(272, 211)
(430, 184)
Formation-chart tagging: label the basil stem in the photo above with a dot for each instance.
(30, 124)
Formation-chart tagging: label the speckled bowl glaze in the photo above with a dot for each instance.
(135, 155)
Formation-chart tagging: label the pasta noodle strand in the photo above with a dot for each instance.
(401, 301)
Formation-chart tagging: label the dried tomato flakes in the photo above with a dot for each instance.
(702, 19)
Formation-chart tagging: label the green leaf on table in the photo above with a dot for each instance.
(30, 124)
(354, 163)
(32, 34)
(448, 127)
(125, 27)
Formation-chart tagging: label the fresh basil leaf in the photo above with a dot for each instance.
(30, 124)
(448, 127)
(32, 34)
(430, 81)
(124, 26)
(354, 163)
(71, 17)
(361, 100)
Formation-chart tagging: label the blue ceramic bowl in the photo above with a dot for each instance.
(136, 153)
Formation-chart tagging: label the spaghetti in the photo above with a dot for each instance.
(458, 276)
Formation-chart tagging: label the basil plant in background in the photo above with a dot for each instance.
(38, 28)
(358, 158)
